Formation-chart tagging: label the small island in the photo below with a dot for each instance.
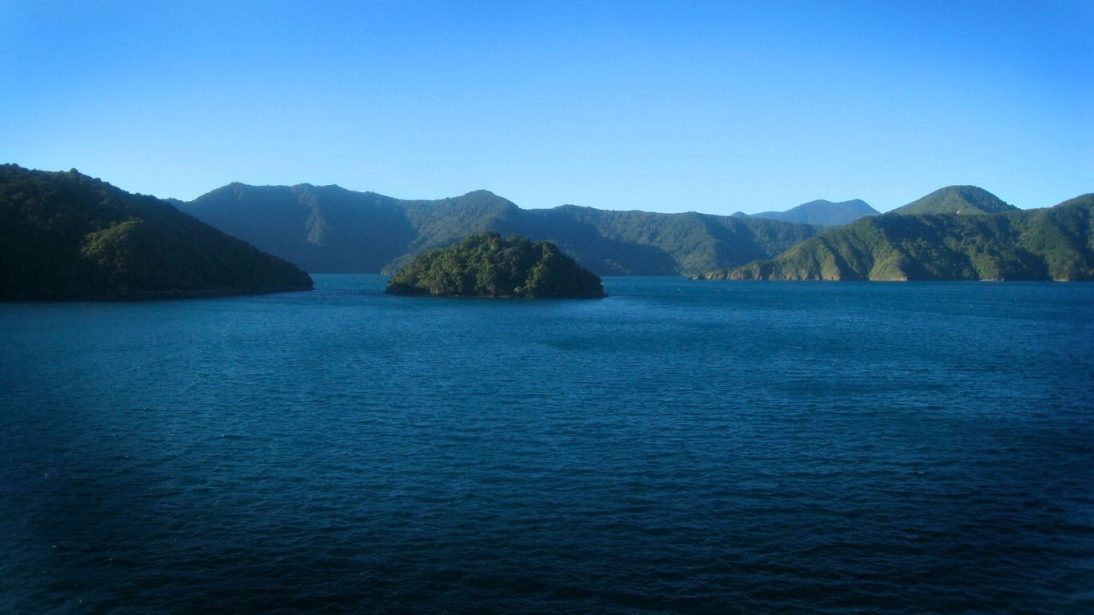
(488, 265)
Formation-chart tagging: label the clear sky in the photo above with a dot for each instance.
(662, 106)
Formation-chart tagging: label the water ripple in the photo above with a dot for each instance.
(677, 447)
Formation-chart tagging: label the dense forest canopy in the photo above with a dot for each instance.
(487, 265)
(963, 200)
(66, 236)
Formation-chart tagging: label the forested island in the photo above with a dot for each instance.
(67, 236)
(488, 265)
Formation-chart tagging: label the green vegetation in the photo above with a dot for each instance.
(820, 213)
(67, 236)
(1055, 243)
(963, 200)
(486, 265)
(330, 229)
(643, 243)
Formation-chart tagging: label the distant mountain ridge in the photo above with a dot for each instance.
(1055, 243)
(67, 236)
(820, 213)
(331, 229)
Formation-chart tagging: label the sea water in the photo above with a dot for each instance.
(678, 446)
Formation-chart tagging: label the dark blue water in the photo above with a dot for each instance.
(680, 446)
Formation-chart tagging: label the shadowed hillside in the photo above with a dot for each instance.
(69, 236)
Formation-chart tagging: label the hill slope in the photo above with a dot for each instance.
(821, 213)
(330, 229)
(1055, 243)
(485, 265)
(963, 200)
(644, 243)
(68, 236)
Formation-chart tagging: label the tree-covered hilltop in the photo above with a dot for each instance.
(66, 236)
(331, 229)
(1055, 243)
(487, 265)
(963, 200)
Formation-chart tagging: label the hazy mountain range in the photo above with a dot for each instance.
(819, 213)
(957, 232)
(331, 229)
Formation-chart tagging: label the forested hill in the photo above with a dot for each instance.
(66, 236)
(962, 200)
(1055, 243)
(330, 229)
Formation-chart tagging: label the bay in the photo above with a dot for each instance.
(678, 446)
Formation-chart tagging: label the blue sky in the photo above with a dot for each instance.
(661, 106)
